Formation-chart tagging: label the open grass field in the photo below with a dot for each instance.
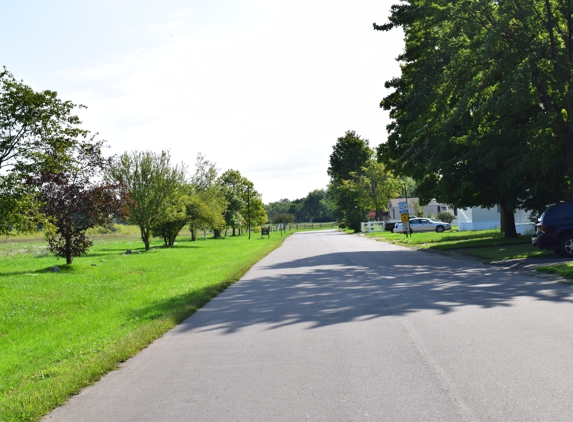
(60, 331)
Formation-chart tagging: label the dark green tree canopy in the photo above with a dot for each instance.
(36, 128)
(349, 155)
(38, 133)
(472, 120)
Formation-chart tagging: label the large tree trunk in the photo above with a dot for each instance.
(144, 237)
(68, 249)
(193, 234)
(507, 221)
(569, 157)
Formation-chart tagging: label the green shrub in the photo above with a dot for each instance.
(446, 216)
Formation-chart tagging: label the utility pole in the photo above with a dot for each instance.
(408, 208)
(249, 210)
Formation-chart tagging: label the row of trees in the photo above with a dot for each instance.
(482, 112)
(162, 200)
(53, 176)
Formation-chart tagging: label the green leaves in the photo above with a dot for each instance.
(38, 134)
(474, 111)
(37, 129)
(153, 184)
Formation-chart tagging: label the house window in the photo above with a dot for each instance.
(439, 209)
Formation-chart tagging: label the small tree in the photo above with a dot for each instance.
(255, 213)
(418, 210)
(374, 186)
(207, 201)
(175, 219)
(75, 201)
(234, 188)
(283, 218)
(153, 185)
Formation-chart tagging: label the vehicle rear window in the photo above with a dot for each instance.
(558, 212)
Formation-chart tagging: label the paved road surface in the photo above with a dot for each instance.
(333, 327)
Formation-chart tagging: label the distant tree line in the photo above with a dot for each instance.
(316, 207)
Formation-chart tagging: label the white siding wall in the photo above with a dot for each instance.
(486, 215)
(478, 218)
(465, 215)
(522, 223)
(522, 217)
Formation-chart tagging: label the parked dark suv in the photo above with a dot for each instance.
(555, 229)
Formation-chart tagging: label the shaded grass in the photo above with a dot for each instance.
(509, 251)
(490, 245)
(444, 241)
(62, 331)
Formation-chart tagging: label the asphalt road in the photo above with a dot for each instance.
(334, 327)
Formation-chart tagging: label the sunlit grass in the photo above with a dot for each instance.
(60, 331)
(563, 270)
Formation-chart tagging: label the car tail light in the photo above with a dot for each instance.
(543, 228)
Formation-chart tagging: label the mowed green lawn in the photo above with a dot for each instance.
(489, 245)
(62, 331)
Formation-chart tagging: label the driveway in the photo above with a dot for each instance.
(335, 327)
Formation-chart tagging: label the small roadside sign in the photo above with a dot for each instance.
(406, 227)
(403, 207)
(372, 214)
(405, 218)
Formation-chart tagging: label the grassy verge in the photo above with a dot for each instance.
(563, 270)
(489, 245)
(62, 331)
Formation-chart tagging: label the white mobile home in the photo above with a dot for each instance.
(478, 218)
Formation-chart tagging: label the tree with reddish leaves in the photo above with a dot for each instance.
(77, 199)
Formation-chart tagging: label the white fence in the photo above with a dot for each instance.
(372, 226)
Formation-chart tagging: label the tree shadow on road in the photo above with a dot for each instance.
(351, 286)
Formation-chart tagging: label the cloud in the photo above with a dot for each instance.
(268, 99)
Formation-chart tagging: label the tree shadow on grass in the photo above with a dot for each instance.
(178, 307)
(62, 268)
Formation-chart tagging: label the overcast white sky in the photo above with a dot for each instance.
(261, 86)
